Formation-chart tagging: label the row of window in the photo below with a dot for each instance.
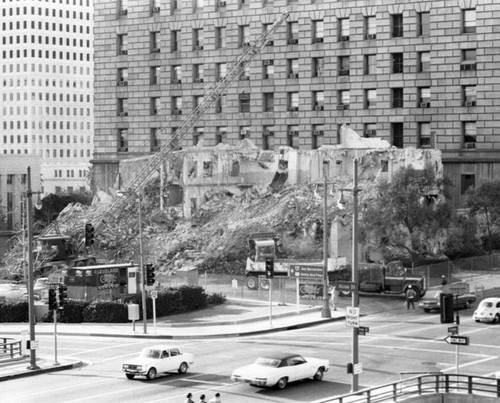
(293, 32)
(67, 2)
(40, 11)
(18, 39)
(16, 67)
(54, 154)
(76, 98)
(17, 139)
(54, 55)
(45, 125)
(425, 135)
(70, 173)
(10, 111)
(54, 27)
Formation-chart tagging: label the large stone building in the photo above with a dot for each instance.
(46, 101)
(420, 73)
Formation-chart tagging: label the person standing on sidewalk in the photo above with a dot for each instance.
(188, 398)
(410, 297)
(215, 399)
(334, 298)
(202, 399)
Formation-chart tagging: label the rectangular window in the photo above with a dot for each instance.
(293, 68)
(370, 27)
(425, 135)
(176, 74)
(268, 138)
(220, 37)
(397, 134)
(155, 106)
(154, 75)
(371, 98)
(198, 39)
(197, 100)
(344, 65)
(244, 102)
(423, 24)
(397, 97)
(468, 181)
(198, 76)
(344, 99)
(468, 60)
(424, 94)
(122, 75)
(318, 100)
(175, 37)
(268, 69)
(154, 141)
(154, 42)
(269, 102)
(220, 70)
(397, 62)
(469, 95)
(318, 136)
(293, 136)
(370, 130)
(370, 65)
(122, 140)
(344, 29)
(469, 21)
(244, 132)
(293, 33)
(245, 74)
(318, 66)
(424, 62)
(221, 135)
(122, 44)
(244, 35)
(176, 105)
(318, 31)
(469, 130)
(397, 25)
(293, 101)
(122, 107)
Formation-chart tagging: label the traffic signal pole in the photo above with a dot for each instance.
(143, 270)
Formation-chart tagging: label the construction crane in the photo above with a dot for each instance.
(210, 97)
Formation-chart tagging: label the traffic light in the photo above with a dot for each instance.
(62, 295)
(269, 268)
(150, 274)
(89, 234)
(52, 299)
(446, 302)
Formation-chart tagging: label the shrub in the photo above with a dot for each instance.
(192, 297)
(109, 312)
(18, 312)
(216, 299)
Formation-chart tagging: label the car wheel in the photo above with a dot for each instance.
(318, 376)
(497, 318)
(426, 310)
(151, 374)
(252, 282)
(130, 376)
(281, 384)
(183, 368)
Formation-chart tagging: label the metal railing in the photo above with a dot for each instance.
(10, 349)
(429, 384)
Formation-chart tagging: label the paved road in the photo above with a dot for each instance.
(399, 342)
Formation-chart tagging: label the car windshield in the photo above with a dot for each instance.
(150, 353)
(267, 362)
(487, 304)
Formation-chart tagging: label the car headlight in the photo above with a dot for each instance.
(125, 366)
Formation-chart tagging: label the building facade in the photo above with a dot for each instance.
(46, 99)
(415, 73)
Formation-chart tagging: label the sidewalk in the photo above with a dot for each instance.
(232, 319)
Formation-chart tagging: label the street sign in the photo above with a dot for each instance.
(349, 286)
(362, 330)
(461, 340)
(357, 369)
(352, 316)
(453, 330)
(154, 294)
(306, 271)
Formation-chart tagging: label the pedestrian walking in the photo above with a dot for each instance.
(410, 297)
(188, 398)
(215, 399)
(334, 298)
(202, 399)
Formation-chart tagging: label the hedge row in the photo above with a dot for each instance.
(168, 302)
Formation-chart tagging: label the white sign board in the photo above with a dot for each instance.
(357, 369)
(352, 316)
(234, 283)
(154, 294)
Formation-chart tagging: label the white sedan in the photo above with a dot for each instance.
(279, 369)
(158, 360)
(488, 311)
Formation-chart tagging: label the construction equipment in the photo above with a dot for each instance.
(210, 97)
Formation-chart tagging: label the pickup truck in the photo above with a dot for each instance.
(462, 298)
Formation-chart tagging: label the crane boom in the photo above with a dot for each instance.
(210, 97)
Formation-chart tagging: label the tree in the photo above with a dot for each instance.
(482, 202)
(409, 214)
(462, 240)
(53, 204)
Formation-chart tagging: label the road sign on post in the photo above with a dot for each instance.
(352, 316)
(459, 340)
(347, 286)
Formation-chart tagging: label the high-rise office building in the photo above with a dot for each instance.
(416, 73)
(46, 101)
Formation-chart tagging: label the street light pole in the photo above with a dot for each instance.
(325, 312)
(143, 274)
(355, 294)
(31, 302)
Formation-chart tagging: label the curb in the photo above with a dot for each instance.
(26, 372)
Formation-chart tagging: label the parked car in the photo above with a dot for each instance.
(488, 310)
(433, 302)
(279, 369)
(156, 360)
